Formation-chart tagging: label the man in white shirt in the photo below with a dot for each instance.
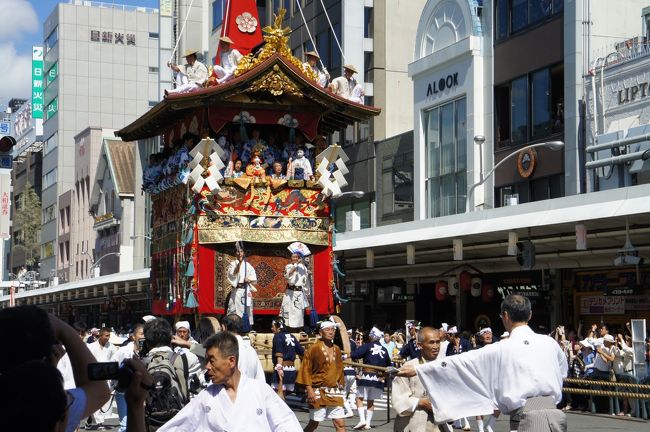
(322, 77)
(189, 77)
(346, 86)
(124, 353)
(523, 376)
(294, 301)
(409, 397)
(233, 402)
(241, 276)
(228, 60)
(604, 357)
(103, 351)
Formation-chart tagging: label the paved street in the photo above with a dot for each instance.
(577, 422)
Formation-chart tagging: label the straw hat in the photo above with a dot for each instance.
(190, 52)
(226, 39)
(312, 54)
(351, 68)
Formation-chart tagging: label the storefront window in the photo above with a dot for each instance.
(446, 161)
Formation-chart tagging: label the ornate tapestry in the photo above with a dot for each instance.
(269, 263)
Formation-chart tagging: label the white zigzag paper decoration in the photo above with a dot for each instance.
(333, 181)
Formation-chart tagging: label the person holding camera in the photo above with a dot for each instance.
(124, 353)
(43, 341)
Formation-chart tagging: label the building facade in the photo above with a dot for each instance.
(26, 172)
(498, 89)
(102, 65)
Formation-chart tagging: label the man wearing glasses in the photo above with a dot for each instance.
(521, 376)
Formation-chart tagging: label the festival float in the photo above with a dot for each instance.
(200, 209)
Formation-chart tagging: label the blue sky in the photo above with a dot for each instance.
(22, 27)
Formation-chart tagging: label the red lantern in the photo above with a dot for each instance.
(488, 292)
(465, 281)
(441, 290)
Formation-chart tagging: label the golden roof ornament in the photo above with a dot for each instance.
(276, 40)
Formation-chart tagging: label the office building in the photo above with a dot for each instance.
(102, 67)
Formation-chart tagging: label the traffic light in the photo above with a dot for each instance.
(7, 144)
(526, 254)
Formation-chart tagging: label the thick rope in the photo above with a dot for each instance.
(606, 383)
(590, 392)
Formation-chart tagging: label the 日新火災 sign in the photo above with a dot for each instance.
(37, 82)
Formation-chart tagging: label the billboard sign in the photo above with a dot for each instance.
(37, 82)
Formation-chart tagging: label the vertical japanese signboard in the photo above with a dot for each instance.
(37, 82)
(5, 205)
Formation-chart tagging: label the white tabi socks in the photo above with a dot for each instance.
(362, 418)
(480, 425)
(369, 418)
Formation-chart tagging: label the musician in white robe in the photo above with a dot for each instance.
(522, 376)
(241, 276)
(409, 398)
(189, 77)
(233, 402)
(229, 60)
(294, 301)
(322, 76)
(347, 86)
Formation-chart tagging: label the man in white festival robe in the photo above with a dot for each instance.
(409, 397)
(229, 60)
(241, 276)
(233, 402)
(522, 376)
(294, 301)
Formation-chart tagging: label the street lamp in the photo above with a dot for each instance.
(95, 265)
(553, 145)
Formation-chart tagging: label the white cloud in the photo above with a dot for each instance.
(18, 18)
(16, 73)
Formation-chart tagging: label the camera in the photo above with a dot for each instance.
(111, 371)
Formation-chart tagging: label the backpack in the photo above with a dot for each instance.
(169, 393)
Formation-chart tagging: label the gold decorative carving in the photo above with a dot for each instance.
(276, 40)
(276, 83)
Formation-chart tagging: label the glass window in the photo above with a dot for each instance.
(502, 102)
(446, 141)
(541, 104)
(49, 179)
(49, 213)
(502, 19)
(519, 15)
(52, 39)
(323, 45)
(557, 97)
(51, 74)
(433, 144)
(519, 110)
(558, 5)
(217, 14)
(336, 64)
(540, 9)
(51, 143)
(47, 250)
(153, 35)
(461, 134)
(367, 22)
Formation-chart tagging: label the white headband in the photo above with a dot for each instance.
(183, 324)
